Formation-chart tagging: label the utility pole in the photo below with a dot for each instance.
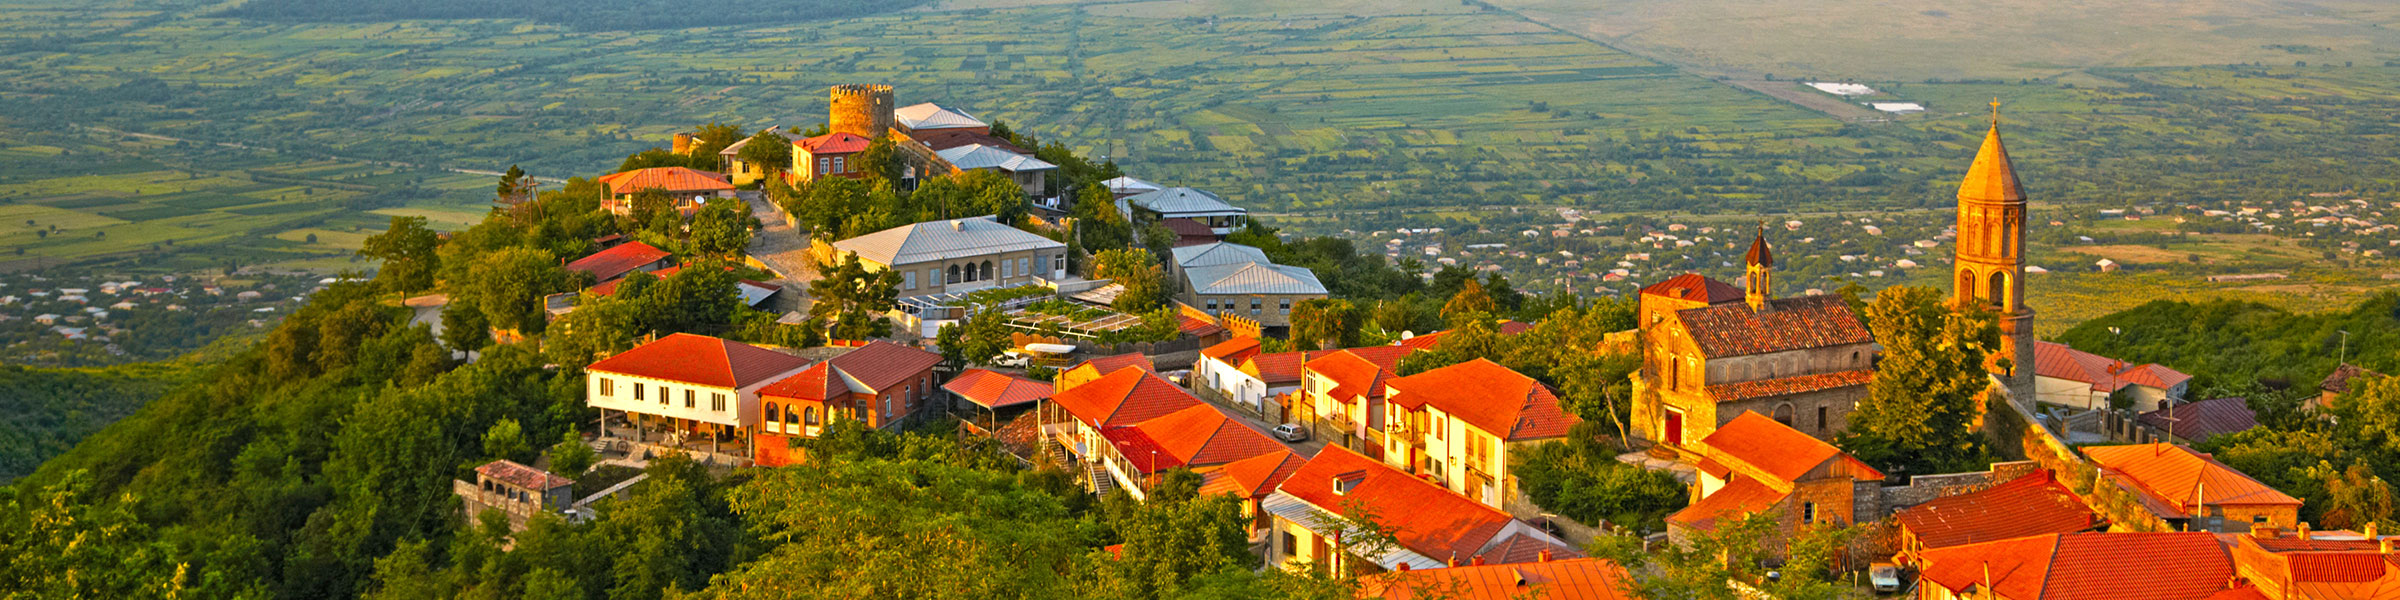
(2344, 357)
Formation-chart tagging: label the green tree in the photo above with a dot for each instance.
(571, 456)
(407, 249)
(650, 206)
(1470, 300)
(509, 285)
(1324, 323)
(851, 297)
(1175, 535)
(509, 181)
(464, 327)
(768, 151)
(1138, 271)
(721, 227)
(1928, 388)
(505, 440)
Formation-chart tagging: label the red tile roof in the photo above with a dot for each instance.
(1195, 326)
(1562, 579)
(879, 366)
(1109, 364)
(618, 260)
(1695, 287)
(2198, 421)
(1525, 549)
(672, 179)
(2087, 566)
(1143, 452)
(1124, 397)
(1741, 496)
(1201, 435)
(993, 389)
(1253, 477)
(700, 360)
(516, 474)
(833, 143)
(1425, 518)
(1778, 451)
(1787, 386)
(1734, 329)
(1353, 376)
(2296, 568)
(2057, 361)
(2339, 380)
(1276, 368)
(2175, 476)
(2034, 504)
(1493, 398)
(1232, 351)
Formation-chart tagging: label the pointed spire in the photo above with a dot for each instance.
(1992, 178)
(1759, 254)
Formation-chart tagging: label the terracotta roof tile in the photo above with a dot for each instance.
(2030, 505)
(2174, 476)
(1500, 401)
(2087, 566)
(883, 364)
(1201, 435)
(1734, 329)
(1786, 386)
(993, 389)
(1252, 477)
(1353, 376)
(1125, 397)
(2339, 380)
(1695, 287)
(1109, 364)
(671, 179)
(517, 474)
(2198, 421)
(1426, 519)
(618, 260)
(1742, 496)
(1525, 549)
(1232, 351)
(1776, 450)
(1563, 579)
(2058, 361)
(833, 143)
(701, 360)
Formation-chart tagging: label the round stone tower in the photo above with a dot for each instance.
(861, 109)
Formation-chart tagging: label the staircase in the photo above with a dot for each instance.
(1057, 454)
(1102, 483)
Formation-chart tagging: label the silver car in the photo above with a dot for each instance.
(1291, 432)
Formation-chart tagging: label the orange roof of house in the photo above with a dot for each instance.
(1741, 497)
(700, 360)
(1124, 397)
(1991, 177)
(517, 474)
(1232, 351)
(1425, 518)
(1110, 364)
(2087, 566)
(2292, 567)
(1201, 435)
(2034, 504)
(2103, 374)
(1496, 399)
(671, 179)
(878, 366)
(1694, 287)
(1798, 323)
(1252, 477)
(833, 143)
(1276, 367)
(1526, 549)
(618, 260)
(2176, 476)
(1353, 376)
(1562, 579)
(994, 389)
(1777, 450)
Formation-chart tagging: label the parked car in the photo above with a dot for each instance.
(1886, 577)
(1011, 359)
(1291, 432)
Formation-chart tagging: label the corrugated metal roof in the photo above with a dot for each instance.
(1184, 202)
(940, 240)
(1124, 185)
(1253, 278)
(979, 156)
(1218, 253)
(932, 116)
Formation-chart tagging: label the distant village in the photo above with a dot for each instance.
(1740, 393)
(90, 319)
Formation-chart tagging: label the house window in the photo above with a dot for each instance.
(933, 277)
(908, 280)
(608, 387)
(637, 391)
(1212, 307)
(1021, 262)
(1820, 418)
(716, 402)
(773, 414)
(823, 164)
(665, 396)
(1808, 512)
(1254, 306)
(1004, 269)
(1058, 261)
(1286, 306)
(688, 396)
(810, 413)
(925, 387)
(953, 274)
(838, 167)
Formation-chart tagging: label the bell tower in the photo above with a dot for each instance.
(1758, 272)
(1991, 258)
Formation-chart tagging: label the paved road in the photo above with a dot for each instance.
(783, 249)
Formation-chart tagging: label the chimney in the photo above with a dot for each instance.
(2384, 545)
(957, 225)
(1478, 560)
(2369, 531)
(1453, 559)
(1404, 567)
(2302, 530)
(1543, 557)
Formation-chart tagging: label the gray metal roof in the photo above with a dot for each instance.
(1253, 278)
(928, 115)
(737, 145)
(979, 156)
(1129, 185)
(1184, 202)
(943, 240)
(1218, 253)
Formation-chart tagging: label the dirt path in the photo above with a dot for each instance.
(784, 249)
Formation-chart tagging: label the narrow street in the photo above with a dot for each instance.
(784, 249)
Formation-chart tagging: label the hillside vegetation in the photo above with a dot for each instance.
(591, 15)
(49, 410)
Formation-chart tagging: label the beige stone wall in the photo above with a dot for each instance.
(1270, 306)
(919, 279)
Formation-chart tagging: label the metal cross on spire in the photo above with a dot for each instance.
(1995, 111)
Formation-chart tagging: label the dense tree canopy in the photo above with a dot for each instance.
(1922, 405)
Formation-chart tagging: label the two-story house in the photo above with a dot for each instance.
(1712, 351)
(882, 384)
(830, 155)
(741, 172)
(1344, 391)
(1461, 423)
(1755, 465)
(1075, 418)
(2190, 491)
(1256, 290)
(686, 392)
(1432, 527)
